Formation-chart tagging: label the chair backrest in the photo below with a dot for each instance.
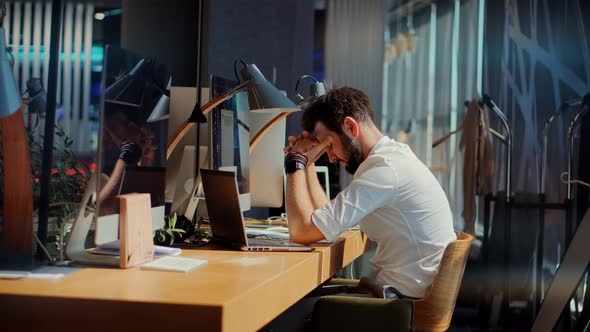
(434, 312)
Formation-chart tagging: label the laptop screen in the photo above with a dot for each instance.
(223, 206)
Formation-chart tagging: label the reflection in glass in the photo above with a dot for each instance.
(132, 151)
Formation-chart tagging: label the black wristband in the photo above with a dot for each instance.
(295, 161)
(291, 166)
(296, 156)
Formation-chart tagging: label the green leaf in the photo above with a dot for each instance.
(172, 221)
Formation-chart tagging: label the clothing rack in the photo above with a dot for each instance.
(489, 197)
(567, 205)
(490, 103)
(507, 141)
(570, 160)
(542, 205)
(572, 227)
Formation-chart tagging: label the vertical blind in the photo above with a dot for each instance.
(354, 46)
(354, 50)
(28, 27)
(426, 85)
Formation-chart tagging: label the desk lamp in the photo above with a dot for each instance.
(262, 97)
(16, 246)
(316, 89)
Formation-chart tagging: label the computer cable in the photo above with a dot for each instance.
(281, 218)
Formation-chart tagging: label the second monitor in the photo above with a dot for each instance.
(260, 173)
(230, 136)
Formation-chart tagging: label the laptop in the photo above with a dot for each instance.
(227, 220)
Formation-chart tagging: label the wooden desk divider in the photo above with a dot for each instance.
(135, 230)
(16, 244)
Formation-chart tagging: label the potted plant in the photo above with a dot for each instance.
(169, 233)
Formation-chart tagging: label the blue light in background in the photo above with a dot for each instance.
(96, 55)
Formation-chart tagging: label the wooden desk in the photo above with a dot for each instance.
(236, 291)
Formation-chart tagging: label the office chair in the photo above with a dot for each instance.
(432, 313)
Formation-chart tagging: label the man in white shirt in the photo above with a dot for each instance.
(394, 197)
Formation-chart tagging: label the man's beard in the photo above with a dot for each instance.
(355, 157)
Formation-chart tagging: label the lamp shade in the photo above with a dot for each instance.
(9, 95)
(317, 89)
(162, 109)
(262, 95)
(127, 90)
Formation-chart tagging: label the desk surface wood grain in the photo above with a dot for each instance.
(236, 291)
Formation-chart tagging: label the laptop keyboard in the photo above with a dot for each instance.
(261, 233)
(269, 242)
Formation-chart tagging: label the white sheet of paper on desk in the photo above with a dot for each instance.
(173, 263)
(112, 248)
(10, 274)
(40, 273)
(47, 276)
(277, 228)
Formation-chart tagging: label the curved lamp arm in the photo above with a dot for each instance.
(264, 130)
(187, 125)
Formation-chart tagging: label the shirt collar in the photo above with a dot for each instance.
(382, 141)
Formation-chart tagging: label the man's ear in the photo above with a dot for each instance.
(351, 127)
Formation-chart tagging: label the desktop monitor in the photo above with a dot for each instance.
(131, 149)
(230, 136)
(266, 162)
(181, 165)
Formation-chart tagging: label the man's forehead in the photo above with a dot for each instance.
(320, 130)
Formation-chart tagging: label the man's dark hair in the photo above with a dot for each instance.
(331, 109)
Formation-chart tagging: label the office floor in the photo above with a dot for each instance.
(477, 308)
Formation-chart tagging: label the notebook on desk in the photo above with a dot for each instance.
(227, 220)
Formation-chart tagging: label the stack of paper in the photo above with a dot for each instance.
(174, 263)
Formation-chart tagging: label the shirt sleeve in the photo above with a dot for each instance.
(366, 193)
